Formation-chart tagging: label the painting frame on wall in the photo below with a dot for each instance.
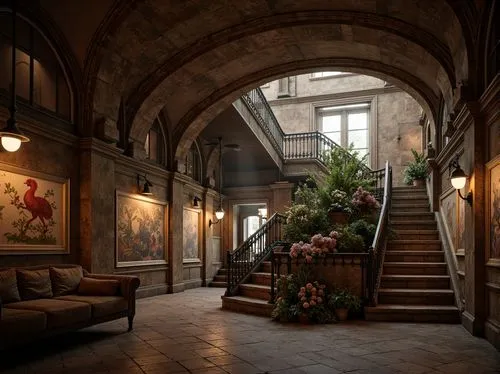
(493, 211)
(190, 235)
(140, 230)
(37, 206)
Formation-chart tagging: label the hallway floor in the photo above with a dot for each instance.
(189, 333)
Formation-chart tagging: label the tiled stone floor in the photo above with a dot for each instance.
(189, 333)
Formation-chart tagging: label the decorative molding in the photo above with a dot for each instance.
(495, 287)
(143, 270)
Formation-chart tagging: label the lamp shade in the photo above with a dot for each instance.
(146, 190)
(458, 178)
(219, 213)
(10, 144)
(12, 137)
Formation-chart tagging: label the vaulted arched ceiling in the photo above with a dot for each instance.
(191, 57)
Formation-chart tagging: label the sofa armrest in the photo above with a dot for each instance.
(128, 286)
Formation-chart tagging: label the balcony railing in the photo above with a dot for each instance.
(294, 146)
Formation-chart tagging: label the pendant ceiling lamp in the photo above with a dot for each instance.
(11, 136)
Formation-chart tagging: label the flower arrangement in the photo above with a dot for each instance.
(340, 202)
(319, 246)
(313, 303)
(364, 201)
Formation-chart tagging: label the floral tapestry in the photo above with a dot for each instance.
(140, 230)
(34, 216)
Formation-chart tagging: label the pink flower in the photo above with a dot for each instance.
(313, 303)
(302, 294)
(309, 286)
(319, 300)
(303, 298)
(309, 259)
(305, 305)
(313, 297)
(302, 289)
(320, 292)
(314, 290)
(334, 234)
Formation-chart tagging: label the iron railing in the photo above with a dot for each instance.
(378, 248)
(257, 104)
(294, 146)
(247, 257)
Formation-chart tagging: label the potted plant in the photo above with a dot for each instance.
(340, 207)
(343, 301)
(416, 171)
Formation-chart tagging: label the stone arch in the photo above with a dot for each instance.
(180, 32)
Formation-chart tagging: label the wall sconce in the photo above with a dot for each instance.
(11, 136)
(262, 212)
(145, 189)
(219, 214)
(458, 178)
(196, 199)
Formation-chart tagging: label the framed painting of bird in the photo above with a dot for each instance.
(34, 212)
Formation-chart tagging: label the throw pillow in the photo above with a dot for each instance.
(8, 286)
(65, 280)
(34, 284)
(98, 287)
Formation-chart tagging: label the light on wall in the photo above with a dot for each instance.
(219, 214)
(147, 184)
(196, 199)
(10, 134)
(262, 212)
(458, 179)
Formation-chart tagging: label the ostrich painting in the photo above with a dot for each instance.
(38, 206)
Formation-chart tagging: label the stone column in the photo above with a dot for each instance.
(97, 206)
(282, 197)
(208, 256)
(474, 138)
(175, 234)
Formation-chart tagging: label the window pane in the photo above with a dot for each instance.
(356, 121)
(153, 145)
(359, 138)
(335, 136)
(326, 74)
(362, 153)
(331, 123)
(22, 74)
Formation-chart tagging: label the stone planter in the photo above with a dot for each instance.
(341, 313)
(419, 183)
(339, 218)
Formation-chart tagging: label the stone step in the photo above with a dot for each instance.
(401, 296)
(222, 271)
(424, 208)
(256, 291)
(242, 304)
(220, 278)
(414, 245)
(218, 284)
(261, 278)
(401, 195)
(409, 189)
(397, 224)
(417, 234)
(415, 268)
(409, 200)
(415, 281)
(414, 256)
(413, 313)
(412, 216)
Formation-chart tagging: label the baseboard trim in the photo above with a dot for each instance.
(194, 283)
(174, 288)
(492, 332)
(151, 290)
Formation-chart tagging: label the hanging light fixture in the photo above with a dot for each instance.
(219, 213)
(458, 179)
(11, 136)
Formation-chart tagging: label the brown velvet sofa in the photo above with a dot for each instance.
(41, 301)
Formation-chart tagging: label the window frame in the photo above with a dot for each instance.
(371, 100)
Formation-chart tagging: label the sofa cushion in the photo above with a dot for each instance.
(34, 284)
(18, 321)
(65, 280)
(101, 305)
(60, 313)
(8, 286)
(98, 287)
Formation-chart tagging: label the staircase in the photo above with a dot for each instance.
(253, 297)
(220, 279)
(415, 285)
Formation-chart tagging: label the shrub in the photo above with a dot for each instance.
(417, 169)
(342, 298)
(366, 230)
(348, 241)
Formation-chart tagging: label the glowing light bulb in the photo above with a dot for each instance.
(10, 143)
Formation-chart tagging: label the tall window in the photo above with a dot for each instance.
(41, 81)
(193, 163)
(324, 74)
(155, 144)
(346, 125)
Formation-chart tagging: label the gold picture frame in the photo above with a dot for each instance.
(34, 212)
(140, 230)
(191, 235)
(492, 226)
